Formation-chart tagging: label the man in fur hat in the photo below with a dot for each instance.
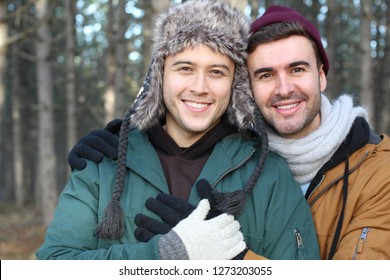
(194, 134)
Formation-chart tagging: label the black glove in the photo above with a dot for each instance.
(95, 145)
(171, 210)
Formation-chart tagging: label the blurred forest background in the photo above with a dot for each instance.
(70, 66)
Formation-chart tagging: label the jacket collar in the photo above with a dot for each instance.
(229, 152)
(357, 137)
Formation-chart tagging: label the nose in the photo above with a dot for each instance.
(199, 83)
(284, 87)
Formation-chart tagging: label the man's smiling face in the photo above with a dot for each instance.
(287, 85)
(197, 87)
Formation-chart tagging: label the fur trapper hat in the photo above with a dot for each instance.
(215, 24)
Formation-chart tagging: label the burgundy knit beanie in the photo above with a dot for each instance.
(276, 14)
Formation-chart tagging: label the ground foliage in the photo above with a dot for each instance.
(21, 232)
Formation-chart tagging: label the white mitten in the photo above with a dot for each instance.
(195, 238)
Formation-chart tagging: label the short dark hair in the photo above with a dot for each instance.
(277, 31)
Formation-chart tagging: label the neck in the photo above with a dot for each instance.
(185, 138)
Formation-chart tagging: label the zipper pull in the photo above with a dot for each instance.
(298, 238)
(363, 237)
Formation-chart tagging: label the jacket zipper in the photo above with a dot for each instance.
(336, 179)
(233, 168)
(299, 241)
(298, 238)
(362, 239)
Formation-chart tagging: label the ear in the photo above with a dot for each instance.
(323, 80)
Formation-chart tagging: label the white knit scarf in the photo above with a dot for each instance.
(307, 155)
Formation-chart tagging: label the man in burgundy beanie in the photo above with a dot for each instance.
(340, 163)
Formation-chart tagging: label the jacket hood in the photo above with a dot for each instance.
(215, 24)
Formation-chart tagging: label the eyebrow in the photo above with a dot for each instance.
(291, 65)
(300, 62)
(262, 70)
(224, 66)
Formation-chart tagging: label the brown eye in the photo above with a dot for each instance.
(264, 76)
(217, 73)
(297, 70)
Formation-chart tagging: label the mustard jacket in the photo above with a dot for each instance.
(365, 226)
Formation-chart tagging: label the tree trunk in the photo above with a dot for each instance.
(121, 54)
(366, 65)
(255, 6)
(147, 33)
(46, 177)
(19, 183)
(151, 11)
(3, 61)
(109, 94)
(71, 127)
(331, 89)
(385, 77)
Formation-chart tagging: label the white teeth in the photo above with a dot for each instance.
(196, 105)
(285, 107)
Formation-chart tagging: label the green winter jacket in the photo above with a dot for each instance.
(276, 221)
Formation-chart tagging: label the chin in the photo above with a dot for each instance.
(196, 130)
(288, 129)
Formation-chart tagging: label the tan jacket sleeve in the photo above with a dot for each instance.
(250, 255)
